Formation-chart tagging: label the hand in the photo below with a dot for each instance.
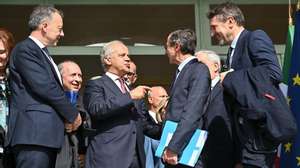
(76, 123)
(238, 165)
(139, 92)
(223, 74)
(170, 157)
(70, 127)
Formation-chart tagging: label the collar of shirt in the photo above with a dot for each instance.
(233, 43)
(183, 63)
(115, 78)
(214, 81)
(153, 115)
(38, 42)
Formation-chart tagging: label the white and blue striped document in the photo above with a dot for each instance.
(192, 151)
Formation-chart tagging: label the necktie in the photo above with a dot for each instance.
(122, 83)
(46, 51)
(228, 58)
(177, 73)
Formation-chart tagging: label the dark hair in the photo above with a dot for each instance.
(40, 14)
(226, 10)
(7, 39)
(186, 39)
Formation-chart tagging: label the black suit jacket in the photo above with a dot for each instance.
(188, 97)
(218, 149)
(120, 125)
(38, 106)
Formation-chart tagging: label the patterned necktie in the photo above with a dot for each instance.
(122, 83)
(228, 58)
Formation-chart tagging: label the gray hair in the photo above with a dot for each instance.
(107, 50)
(41, 14)
(60, 66)
(212, 56)
(226, 10)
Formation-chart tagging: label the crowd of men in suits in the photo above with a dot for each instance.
(43, 122)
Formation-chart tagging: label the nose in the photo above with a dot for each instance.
(62, 34)
(78, 78)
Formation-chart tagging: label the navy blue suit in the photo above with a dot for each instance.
(38, 106)
(253, 49)
(188, 97)
(120, 123)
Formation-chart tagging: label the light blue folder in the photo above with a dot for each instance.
(192, 151)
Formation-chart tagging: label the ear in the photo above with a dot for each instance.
(44, 26)
(216, 67)
(231, 21)
(177, 47)
(107, 61)
(150, 100)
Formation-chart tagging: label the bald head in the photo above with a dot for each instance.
(71, 75)
(156, 96)
(211, 60)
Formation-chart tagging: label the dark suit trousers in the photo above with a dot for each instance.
(32, 156)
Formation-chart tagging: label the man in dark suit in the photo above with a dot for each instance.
(189, 93)
(39, 109)
(247, 50)
(218, 149)
(116, 114)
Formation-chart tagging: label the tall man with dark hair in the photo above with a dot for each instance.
(247, 51)
(189, 93)
(39, 107)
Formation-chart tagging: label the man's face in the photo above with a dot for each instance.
(158, 95)
(53, 29)
(118, 61)
(170, 52)
(3, 56)
(221, 31)
(71, 76)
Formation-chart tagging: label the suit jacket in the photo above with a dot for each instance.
(188, 97)
(256, 49)
(38, 105)
(252, 49)
(119, 123)
(218, 149)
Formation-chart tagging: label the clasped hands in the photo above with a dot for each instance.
(70, 127)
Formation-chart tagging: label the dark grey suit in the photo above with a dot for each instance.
(188, 97)
(119, 123)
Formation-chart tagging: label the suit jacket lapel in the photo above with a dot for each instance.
(48, 61)
(238, 51)
(109, 83)
(180, 76)
(216, 90)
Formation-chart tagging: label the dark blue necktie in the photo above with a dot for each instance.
(46, 51)
(228, 58)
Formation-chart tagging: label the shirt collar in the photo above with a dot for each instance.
(215, 81)
(112, 76)
(233, 43)
(183, 63)
(38, 42)
(153, 115)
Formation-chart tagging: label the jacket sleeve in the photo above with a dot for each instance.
(263, 53)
